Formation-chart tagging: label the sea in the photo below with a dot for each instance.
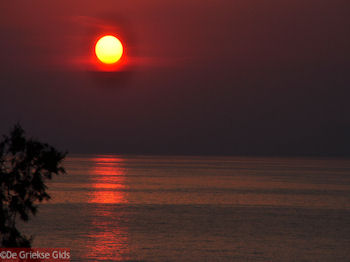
(197, 208)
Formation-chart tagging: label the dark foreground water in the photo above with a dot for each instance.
(151, 208)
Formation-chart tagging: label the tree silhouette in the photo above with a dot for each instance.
(25, 165)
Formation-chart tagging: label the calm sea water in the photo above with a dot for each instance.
(153, 208)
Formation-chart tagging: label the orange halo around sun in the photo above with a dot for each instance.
(108, 49)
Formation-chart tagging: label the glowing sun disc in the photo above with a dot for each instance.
(109, 49)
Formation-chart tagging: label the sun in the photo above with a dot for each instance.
(109, 49)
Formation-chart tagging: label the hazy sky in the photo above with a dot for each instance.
(201, 77)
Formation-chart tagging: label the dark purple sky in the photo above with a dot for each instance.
(202, 77)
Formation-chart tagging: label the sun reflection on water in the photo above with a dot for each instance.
(108, 181)
(108, 236)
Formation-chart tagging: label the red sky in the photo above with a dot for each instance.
(214, 77)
